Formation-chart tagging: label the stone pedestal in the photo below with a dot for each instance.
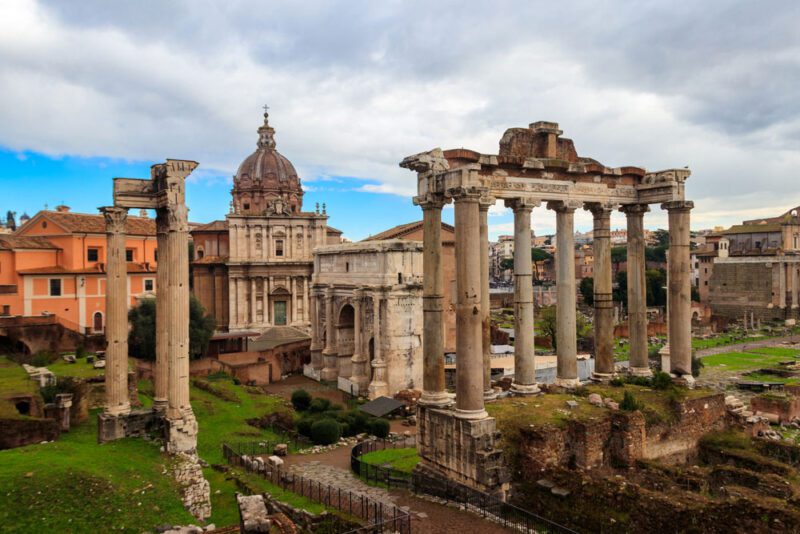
(464, 450)
(181, 433)
(136, 423)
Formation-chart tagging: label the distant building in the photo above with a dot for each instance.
(757, 271)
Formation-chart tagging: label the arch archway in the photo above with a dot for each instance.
(97, 322)
(10, 345)
(345, 338)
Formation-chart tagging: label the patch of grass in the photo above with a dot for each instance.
(765, 377)
(781, 352)
(13, 381)
(403, 460)
(742, 361)
(76, 485)
(289, 497)
(79, 369)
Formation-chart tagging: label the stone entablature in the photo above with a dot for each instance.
(366, 318)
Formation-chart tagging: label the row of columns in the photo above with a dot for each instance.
(472, 321)
(780, 299)
(244, 310)
(171, 375)
(244, 244)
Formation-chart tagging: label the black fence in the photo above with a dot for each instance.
(489, 507)
(388, 476)
(379, 517)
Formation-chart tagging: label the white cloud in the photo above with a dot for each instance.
(355, 86)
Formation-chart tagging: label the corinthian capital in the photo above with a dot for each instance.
(678, 205)
(564, 206)
(430, 201)
(522, 204)
(177, 218)
(634, 209)
(115, 219)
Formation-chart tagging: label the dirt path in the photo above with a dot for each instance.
(743, 347)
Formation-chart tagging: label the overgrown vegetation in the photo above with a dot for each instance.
(351, 422)
(142, 336)
(403, 460)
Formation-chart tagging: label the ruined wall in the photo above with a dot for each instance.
(21, 432)
(736, 288)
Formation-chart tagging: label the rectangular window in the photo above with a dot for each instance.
(6, 309)
(148, 284)
(93, 254)
(129, 255)
(55, 287)
(279, 247)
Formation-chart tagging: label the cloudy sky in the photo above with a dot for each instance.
(96, 89)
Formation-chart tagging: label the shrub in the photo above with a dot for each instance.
(617, 382)
(80, 351)
(697, 364)
(304, 426)
(319, 405)
(43, 358)
(629, 402)
(379, 427)
(301, 400)
(662, 380)
(344, 429)
(325, 431)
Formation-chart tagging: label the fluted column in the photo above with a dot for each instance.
(524, 358)
(359, 359)
(294, 299)
(603, 298)
(638, 364)
(330, 354)
(795, 285)
(378, 387)
(252, 299)
(305, 317)
(680, 302)
(486, 317)
(433, 384)
(233, 318)
(161, 374)
(116, 372)
(566, 333)
(469, 338)
(781, 283)
(178, 311)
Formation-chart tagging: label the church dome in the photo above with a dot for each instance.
(266, 182)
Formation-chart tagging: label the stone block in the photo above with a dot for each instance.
(253, 514)
(275, 461)
(281, 449)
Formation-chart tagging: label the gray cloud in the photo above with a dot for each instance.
(355, 86)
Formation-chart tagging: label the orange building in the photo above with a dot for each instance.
(55, 264)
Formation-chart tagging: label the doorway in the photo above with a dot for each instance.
(279, 308)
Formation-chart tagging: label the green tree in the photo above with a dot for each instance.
(661, 237)
(695, 294)
(142, 335)
(507, 263)
(656, 279)
(587, 290)
(548, 325)
(620, 293)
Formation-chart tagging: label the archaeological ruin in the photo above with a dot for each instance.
(535, 165)
(164, 192)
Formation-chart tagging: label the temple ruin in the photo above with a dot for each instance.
(172, 413)
(535, 165)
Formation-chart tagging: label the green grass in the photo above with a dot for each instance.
(783, 352)
(79, 369)
(13, 381)
(403, 460)
(76, 485)
(743, 361)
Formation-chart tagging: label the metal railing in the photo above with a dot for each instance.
(379, 517)
(392, 478)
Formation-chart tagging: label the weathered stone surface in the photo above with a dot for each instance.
(195, 489)
(253, 514)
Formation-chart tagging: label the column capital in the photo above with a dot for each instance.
(564, 206)
(522, 204)
(486, 202)
(177, 218)
(678, 205)
(634, 209)
(115, 219)
(599, 209)
(430, 201)
(466, 194)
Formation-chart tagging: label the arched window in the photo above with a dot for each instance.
(97, 322)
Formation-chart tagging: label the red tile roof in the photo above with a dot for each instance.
(15, 242)
(94, 224)
(57, 269)
(402, 230)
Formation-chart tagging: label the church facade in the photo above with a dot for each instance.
(253, 270)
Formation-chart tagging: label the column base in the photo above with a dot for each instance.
(489, 394)
(362, 382)
(435, 398)
(567, 383)
(470, 414)
(687, 381)
(603, 377)
(181, 433)
(160, 406)
(524, 389)
(378, 389)
(640, 371)
(136, 423)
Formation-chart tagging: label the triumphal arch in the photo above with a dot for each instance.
(535, 167)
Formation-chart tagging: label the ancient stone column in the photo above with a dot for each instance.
(637, 290)
(469, 337)
(316, 345)
(378, 387)
(161, 371)
(781, 284)
(359, 359)
(486, 318)
(566, 333)
(116, 373)
(680, 302)
(294, 299)
(305, 317)
(330, 355)
(524, 362)
(178, 310)
(233, 310)
(795, 285)
(253, 298)
(603, 298)
(433, 386)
